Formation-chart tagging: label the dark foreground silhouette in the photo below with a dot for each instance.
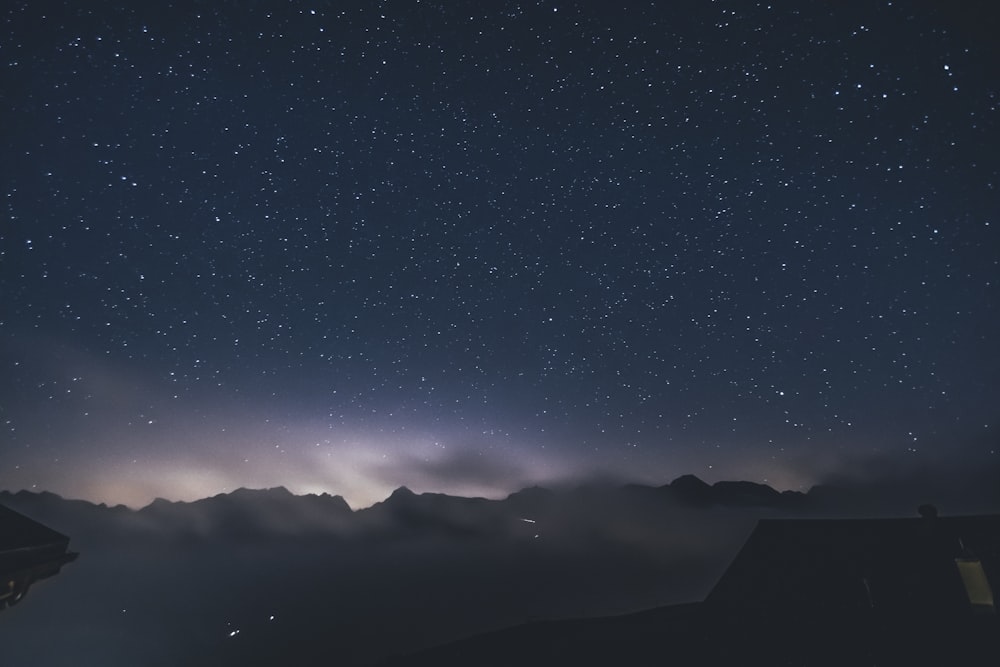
(268, 578)
(819, 592)
(29, 552)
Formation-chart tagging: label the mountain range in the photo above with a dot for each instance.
(265, 513)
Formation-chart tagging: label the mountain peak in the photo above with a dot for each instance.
(689, 481)
(692, 490)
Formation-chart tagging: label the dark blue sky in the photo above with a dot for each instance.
(463, 246)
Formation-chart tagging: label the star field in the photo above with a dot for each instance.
(347, 246)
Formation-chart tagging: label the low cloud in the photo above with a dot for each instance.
(458, 471)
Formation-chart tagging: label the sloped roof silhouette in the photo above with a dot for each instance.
(18, 532)
(29, 552)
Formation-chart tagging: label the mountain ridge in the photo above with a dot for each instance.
(247, 514)
(688, 487)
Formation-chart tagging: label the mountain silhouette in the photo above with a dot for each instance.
(691, 490)
(254, 514)
(405, 513)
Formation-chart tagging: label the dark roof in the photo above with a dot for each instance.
(898, 565)
(18, 532)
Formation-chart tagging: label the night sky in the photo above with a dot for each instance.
(466, 247)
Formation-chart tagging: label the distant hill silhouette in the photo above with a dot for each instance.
(251, 513)
(247, 514)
